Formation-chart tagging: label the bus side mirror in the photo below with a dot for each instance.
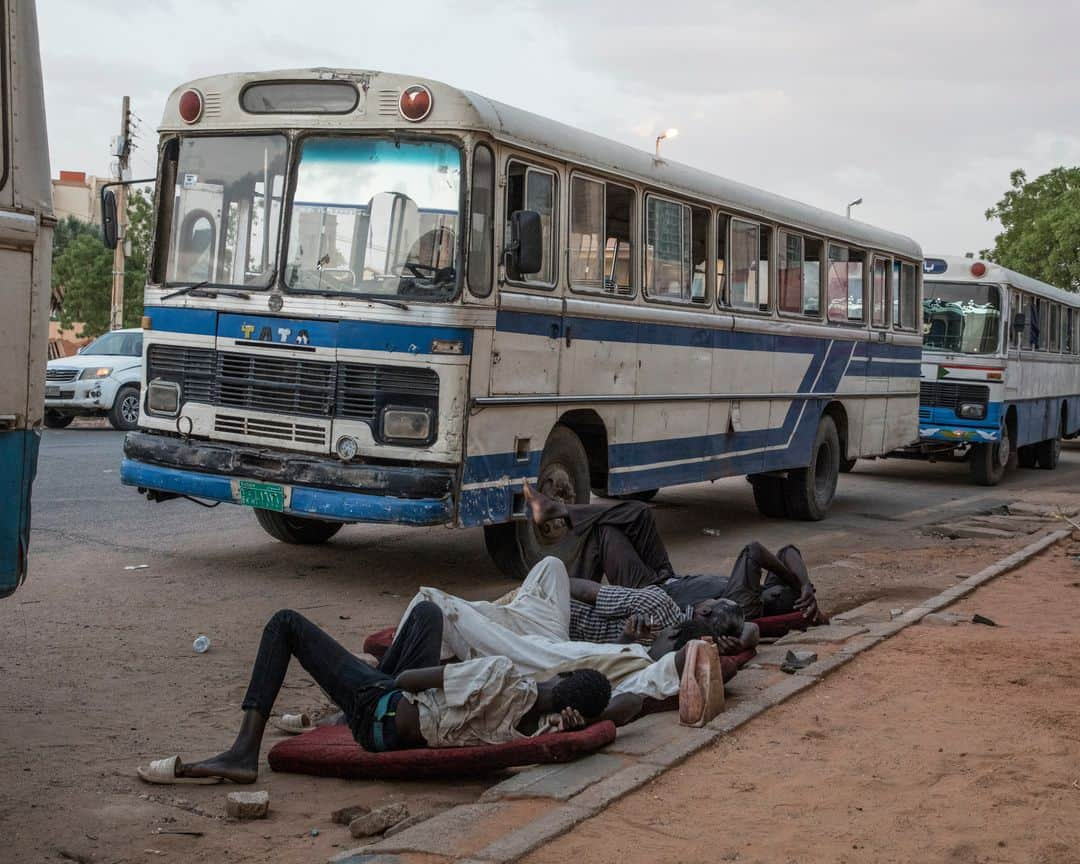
(1019, 321)
(108, 218)
(526, 252)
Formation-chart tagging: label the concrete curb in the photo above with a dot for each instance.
(587, 803)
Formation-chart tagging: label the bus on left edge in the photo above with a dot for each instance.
(26, 223)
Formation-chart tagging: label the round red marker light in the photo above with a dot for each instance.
(415, 103)
(190, 106)
(978, 269)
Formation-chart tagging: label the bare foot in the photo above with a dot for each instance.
(238, 769)
(544, 509)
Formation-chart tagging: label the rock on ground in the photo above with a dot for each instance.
(247, 805)
(378, 820)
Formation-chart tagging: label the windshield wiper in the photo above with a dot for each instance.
(199, 289)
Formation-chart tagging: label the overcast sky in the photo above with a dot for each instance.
(921, 108)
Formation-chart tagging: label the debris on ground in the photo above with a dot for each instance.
(982, 619)
(137, 567)
(896, 613)
(378, 820)
(201, 644)
(345, 815)
(796, 660)
(247, 805)
(406, 823)
(943, 619)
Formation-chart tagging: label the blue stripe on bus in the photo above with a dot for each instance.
(360, 335)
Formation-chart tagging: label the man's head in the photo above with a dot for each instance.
(724, 617)
(586, 690)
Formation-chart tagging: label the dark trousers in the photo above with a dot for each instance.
(620, 540)
(353, 686)
(760, 591)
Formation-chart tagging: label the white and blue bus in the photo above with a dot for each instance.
(26, 226)
(1001, 367)
(376, 298)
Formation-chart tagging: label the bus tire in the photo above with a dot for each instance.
(56, 420)
(296, 530)
(769, 495)
(564, 474)
(643, 495)
(989, 461)
(810, 491)
(847, 465)
(1025, 456)
(1048, 453)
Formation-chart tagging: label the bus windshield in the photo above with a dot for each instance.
(960, 317)
(224, 225)
(375, 217)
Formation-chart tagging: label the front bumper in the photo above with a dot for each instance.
(942, 425)
(320, 487)
(92, 395)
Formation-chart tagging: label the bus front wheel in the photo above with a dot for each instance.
(296, 530)
(989, 461)
(564, 475)
(810, 491)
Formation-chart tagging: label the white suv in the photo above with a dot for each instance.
(102, 380)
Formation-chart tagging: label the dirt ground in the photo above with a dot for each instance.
(957, 744)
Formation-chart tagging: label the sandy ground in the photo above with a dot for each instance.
(956, 744)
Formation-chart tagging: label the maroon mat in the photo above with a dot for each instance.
(330, 751)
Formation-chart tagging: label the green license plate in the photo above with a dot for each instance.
(266, 496)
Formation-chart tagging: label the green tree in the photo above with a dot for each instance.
(82, 269)
(1040, 223)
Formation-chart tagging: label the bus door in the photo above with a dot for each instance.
(1014, 337)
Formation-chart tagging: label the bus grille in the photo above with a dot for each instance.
(280, 430)
(191, 368)
(285, 385)
(947, 394)
(276, 384)
(363, 386)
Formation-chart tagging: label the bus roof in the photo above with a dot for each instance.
(957, 268)
(461, 109)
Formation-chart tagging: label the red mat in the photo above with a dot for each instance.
(330, 751)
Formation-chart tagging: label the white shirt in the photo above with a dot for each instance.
(481, 702)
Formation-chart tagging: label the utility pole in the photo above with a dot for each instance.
(122, 151)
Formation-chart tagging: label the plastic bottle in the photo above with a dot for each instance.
(201, 644)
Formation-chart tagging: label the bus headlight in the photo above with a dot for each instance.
(406, 424)
(972, 410)
(163, 397)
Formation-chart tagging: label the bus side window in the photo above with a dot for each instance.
(879, 287)
(529, 188)
(481, 216)
(699, 247)
(798, 274)
(745, 248)
(846, 284)
(909, 295)
(722, 222)
(601, 244)
(668, 264)
(1055, 327)
(619, 242)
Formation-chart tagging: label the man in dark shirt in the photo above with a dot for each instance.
(621, 541)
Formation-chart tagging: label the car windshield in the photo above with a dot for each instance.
(116, 344)
(961, 318)
(375, 217)
(224, 226)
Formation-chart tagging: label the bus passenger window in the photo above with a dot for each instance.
(1043, 325)
(481, 216)
(533, 189)
(909, 292)
(586, 229)
(789, 273)
(812, 249)
(1068, 342)
(846, 289)
(619, 246)
(699, 233)
(765, 256)
(721, 258)
(1055, 326)
(878, 290)
(745, 248)
(667, 249)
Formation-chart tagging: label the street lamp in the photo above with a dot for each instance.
(671, 133)
(854, 203)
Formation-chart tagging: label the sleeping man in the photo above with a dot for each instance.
(533, 632)
(408, 701)
(622, 542)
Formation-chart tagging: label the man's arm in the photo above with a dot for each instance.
(584, 590)
(415, 680)
(800, 582)
(622, 708)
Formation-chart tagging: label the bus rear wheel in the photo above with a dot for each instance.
(989, 461)
(1026, 457)
(810, 491)
(1048, 453)
(564, 475)
(296, 530)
